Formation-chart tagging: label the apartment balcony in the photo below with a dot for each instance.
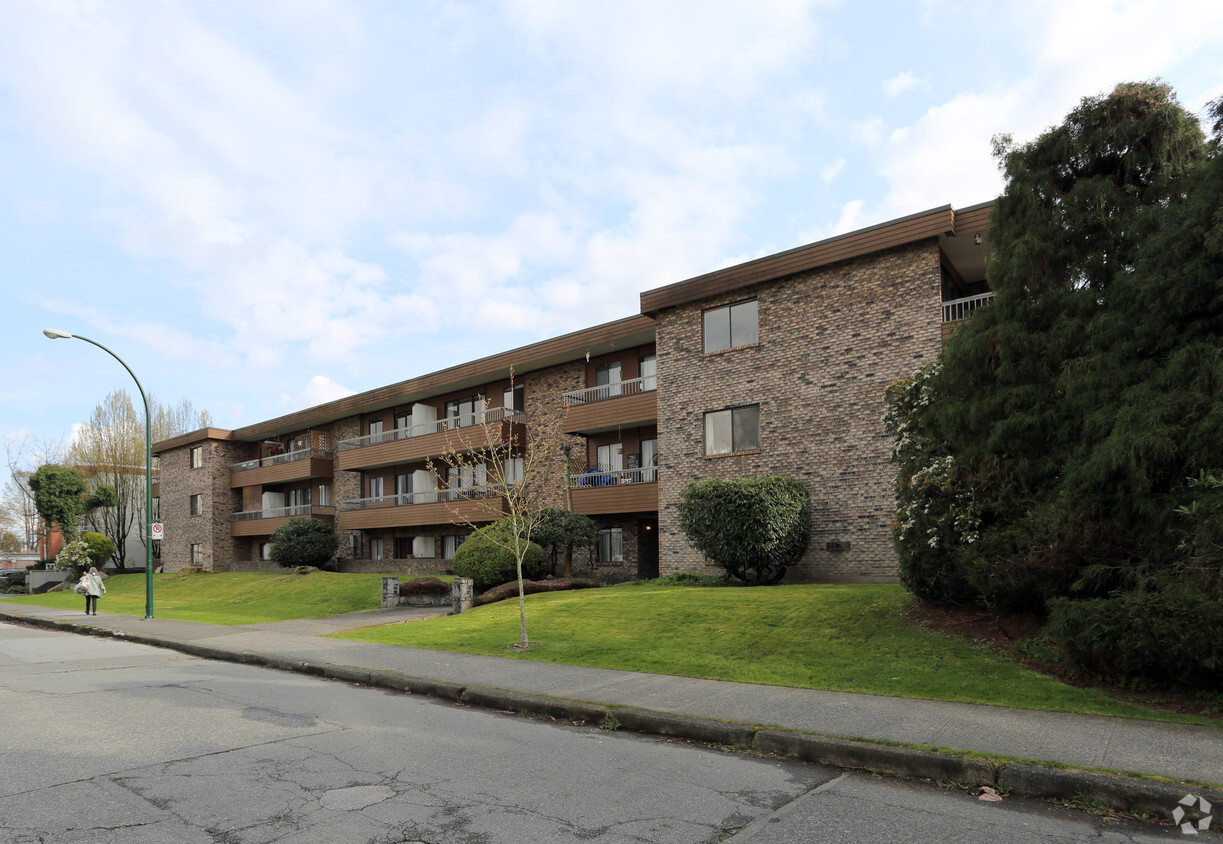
(437, 507)
(597, 492)
(959, 309)
(608, 406)
(466, 432)
(263, 522)
(298, 465)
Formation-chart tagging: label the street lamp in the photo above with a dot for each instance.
(53, 334)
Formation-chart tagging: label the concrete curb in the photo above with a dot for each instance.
(1114, 791)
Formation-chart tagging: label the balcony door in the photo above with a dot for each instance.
(611, 457)
(607, 375)
(647, 368)
(461, 413)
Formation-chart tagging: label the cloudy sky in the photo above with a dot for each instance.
(267, 204)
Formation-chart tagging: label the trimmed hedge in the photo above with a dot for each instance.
(531, 587)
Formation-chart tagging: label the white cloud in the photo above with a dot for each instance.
(898, 84)
(320, 389)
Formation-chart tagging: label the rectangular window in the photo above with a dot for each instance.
(265, 551)
(298, 498)
(607, 375)
(463, 412)
(376, 547)
(403, 488)
(450, 544)
(375, 431)
(403, 425)
(375, 488)
(403, 547)
(197, 457)
(324, 495)
(611, 545)
(649, 461)
(647, 370)
(512, 399)
(731, 326)
(197, 505)
(610, 457)
(514, 470)
(729, 431)
(197, 555)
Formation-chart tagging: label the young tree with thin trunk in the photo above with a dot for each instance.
(504, 468)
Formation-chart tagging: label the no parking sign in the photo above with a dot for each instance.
(157, 531)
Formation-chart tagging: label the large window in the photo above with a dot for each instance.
(514, 470)
(729, 431)
(403, 488)
(197, 505)
(197, 457)
(610, 457)
(647, 369)
(297, 498)
(377, 549)
(403, 547)
(607, 376)
(611, 545)
(731, 326)
(463, 412)
(324, 495)
(513, 399)
(450, 544)
(375, 489)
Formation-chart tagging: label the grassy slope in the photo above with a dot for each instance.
(835, 637)
(230, 598)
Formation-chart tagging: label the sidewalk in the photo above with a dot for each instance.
(814, 725)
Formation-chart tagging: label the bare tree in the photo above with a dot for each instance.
(505, 467)
(109, 449)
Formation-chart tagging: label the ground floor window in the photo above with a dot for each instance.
(197, 555)
(403, 547)
(265, 551)
(450, 544)
(611, 545)
(376, 548)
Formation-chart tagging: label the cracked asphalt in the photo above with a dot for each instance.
(109, 741)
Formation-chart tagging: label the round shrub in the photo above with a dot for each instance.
(487, 560)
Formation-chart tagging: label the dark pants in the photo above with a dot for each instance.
(91, 603)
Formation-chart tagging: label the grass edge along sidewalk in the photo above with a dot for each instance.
(853, 638)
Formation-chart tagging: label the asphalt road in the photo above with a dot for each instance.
(107, 741)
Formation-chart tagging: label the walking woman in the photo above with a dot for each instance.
(92, 581)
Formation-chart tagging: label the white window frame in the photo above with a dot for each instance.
(611, 545)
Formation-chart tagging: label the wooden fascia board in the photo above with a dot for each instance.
(193, 437)
(552, 352)
(843, 247)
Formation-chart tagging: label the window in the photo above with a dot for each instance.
(731, 326)
(450, 544)
(197, 505)
(514, 470)
(403, 489)
(376, 549)
(375, 488)
(298, 498)
(608, 375)
(375, 431)
(403, 424)
(197, 555)
(197, 457)
(647, 369)
(611, 457)
(463, 412)
(611, 545)
(729, 431)
(324, 495)
(512, 399)
(403, 547)
(265, 551)
(649, 461)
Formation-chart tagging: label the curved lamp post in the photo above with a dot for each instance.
(53, 334)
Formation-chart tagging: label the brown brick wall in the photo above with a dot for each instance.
(830, 342)
(211, 481)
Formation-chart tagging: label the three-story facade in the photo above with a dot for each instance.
(772, 367)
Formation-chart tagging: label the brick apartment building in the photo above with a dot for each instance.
(773, 367)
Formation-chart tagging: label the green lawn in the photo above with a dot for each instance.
(229, 598)
(850, 638)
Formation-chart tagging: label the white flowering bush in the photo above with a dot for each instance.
(936, 513)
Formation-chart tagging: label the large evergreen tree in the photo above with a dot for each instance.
(1070, 413)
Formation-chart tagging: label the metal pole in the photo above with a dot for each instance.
(148, 472)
